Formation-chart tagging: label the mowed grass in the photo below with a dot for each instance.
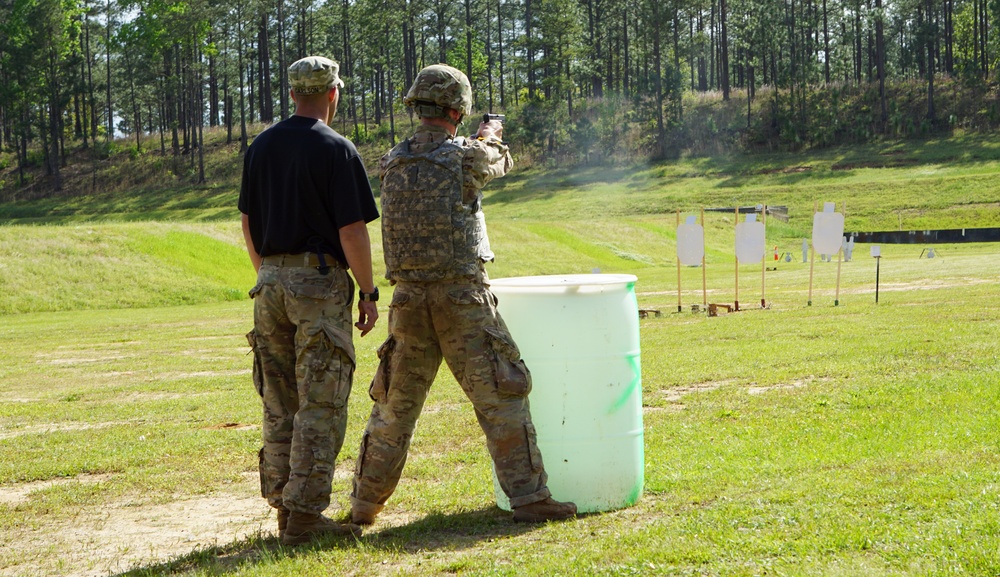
(100, 265)
(848, 439)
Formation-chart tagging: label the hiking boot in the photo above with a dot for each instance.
(547, 510)
(282, 522)
(304, 526)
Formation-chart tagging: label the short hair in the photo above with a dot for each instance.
(314, 98)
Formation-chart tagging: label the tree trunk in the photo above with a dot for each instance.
(857, 43)
(77, 119)
(282, 64)
(200, 122)
(724, 54)
(949, 36)
(390, 95)
(176, 88)
(441, 11)
(213, 88)
(702, 70)
(712, 49)
(163, 115)
(985, 27)
(625, 51)
(468, 45)
(661, 133)
(503, 97)
(408, 55)
(880, 64)
(489, 56)
(87, 77)
(264, 92)
(136, 127)
(242, 92)
(529, 48)
(107, 49)
(349, 61)
(931, 112)
(50, 142)
(826, 44)
(22, 156)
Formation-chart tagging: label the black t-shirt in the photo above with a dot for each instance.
(302, 182)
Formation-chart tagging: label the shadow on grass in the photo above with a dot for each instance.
(444, 532)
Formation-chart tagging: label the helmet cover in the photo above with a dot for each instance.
(443, 86)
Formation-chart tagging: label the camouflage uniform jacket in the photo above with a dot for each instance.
(432, 223)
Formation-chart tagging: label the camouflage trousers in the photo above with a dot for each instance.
(459, 322)
(303, 369)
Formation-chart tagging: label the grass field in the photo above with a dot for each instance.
(857, 439)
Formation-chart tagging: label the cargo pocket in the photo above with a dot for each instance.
(336, 364)
(263, 477)
(399, 298)
(534, 455)
(257, 371)
(512, 376)
(379, 389)
(324, 461)
(339, 340)
(359, 465)
(266, 276)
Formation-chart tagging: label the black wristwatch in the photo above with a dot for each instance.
(370, 297)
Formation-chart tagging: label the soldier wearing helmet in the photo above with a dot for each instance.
(435, 245)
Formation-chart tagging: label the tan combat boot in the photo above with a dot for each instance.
(547, 510)
(304, 526)
(363, 513)
(282, 522)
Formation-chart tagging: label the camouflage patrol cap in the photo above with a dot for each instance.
(314, 74)
(440, 85)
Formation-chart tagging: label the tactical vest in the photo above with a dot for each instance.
(428, 233)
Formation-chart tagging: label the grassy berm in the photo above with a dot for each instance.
(843, 437)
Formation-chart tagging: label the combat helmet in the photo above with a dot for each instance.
(437, 88)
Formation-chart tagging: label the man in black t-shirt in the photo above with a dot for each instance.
(305, 203)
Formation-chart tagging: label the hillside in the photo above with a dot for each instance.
(760, 142)
(934, 183)
(166, 242)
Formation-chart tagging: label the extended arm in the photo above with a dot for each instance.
(486, 158)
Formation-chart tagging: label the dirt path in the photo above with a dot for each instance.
(113, 539)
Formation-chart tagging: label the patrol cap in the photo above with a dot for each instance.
(314, 74)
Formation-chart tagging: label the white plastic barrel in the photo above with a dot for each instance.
(579, 336)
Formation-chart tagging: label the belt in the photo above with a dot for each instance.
(305, 259)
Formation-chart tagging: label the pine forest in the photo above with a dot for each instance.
(579, 80)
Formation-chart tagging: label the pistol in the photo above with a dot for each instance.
(490, 116)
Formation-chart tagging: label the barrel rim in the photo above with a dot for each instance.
(563, 280)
